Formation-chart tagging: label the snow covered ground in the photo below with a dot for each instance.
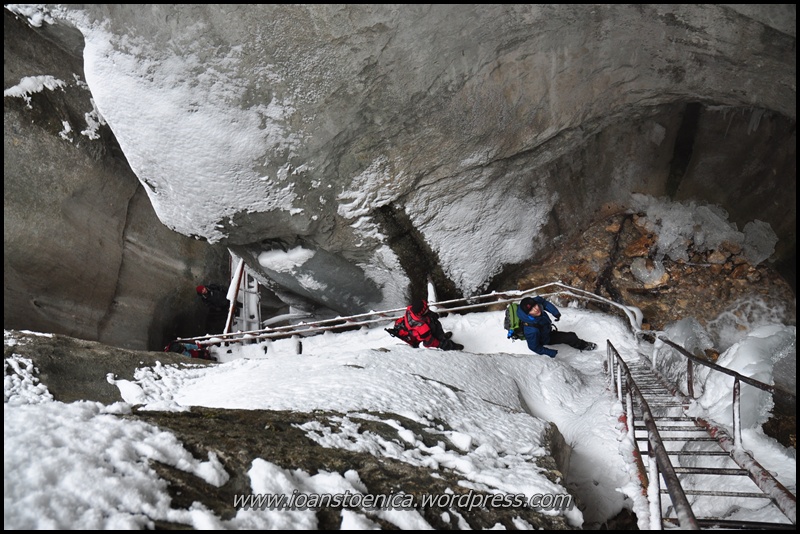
(79, 465)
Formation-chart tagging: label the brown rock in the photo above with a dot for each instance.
(583, 270)
(730, 247)
(740, 271)
(640, 247)
(660, 282)
(717, 256)
(753, 276)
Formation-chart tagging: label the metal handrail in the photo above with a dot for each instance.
(738, 377)
(375, 317)
(662, 464)
(746, 379)
(765, 481)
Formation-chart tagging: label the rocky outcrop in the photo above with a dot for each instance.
(617, 259)
(84, 253)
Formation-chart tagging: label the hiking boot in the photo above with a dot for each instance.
(589, 346)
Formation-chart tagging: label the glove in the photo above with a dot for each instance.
(557, 317)
(510, 334)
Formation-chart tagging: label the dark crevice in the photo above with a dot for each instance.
(684, 146)
(508, 277)
(606, 278)
(415, 256)
(787, 268)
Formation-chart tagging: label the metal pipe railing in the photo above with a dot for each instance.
(737, 378)
(766, 482)
(374, 317)
(657, 451)
(746, 379)
(779, 494)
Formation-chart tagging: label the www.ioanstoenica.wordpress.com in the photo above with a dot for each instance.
(402, 501)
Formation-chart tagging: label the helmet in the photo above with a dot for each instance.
(200, 289)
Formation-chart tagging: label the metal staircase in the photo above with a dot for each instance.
(698, 465)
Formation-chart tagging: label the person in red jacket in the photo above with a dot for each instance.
(425, 328)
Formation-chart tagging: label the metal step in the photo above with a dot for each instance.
(748, 495)
(711, 471)
(728, 524)
(672, 428)
(680, 438)
(699, 453)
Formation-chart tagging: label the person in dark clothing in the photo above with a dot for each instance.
(213, 296)
(191, 350)
(425, 328)
(540, 331)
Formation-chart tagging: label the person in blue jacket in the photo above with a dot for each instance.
(540, 331)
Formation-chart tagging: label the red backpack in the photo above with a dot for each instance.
(401, 331)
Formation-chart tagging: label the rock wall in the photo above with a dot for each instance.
(382, 117)
(386, 123)
(84, 253)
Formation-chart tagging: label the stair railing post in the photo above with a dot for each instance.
(654, 490)
(238, 282)
(690, 378)
(629, 411)
(610, 365)
(737, 414)
(654, 358)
